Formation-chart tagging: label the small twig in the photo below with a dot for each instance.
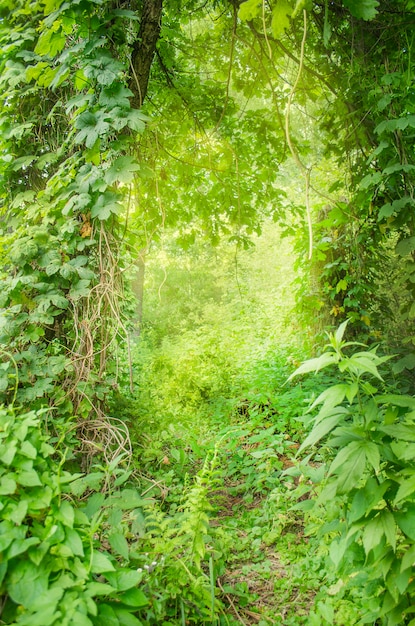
(231, 602)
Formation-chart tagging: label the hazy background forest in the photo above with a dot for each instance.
(207, 312)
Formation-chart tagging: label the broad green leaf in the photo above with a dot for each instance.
(406, 521)
(322, 429)
(99, 589)
(405, 246)
(408, 559)
(50, 42)
(399, 431)
(7, 452)
(122, 170)
(249, 10)
(350, 465)
(314, 365)
(406, 489)
(126, 618)
(367, 498)
(119, 543)
(7, 486)
(19, 512)
(106, 205)
(281, 14)
(332, 396)
(363, 9)
(133, 597)
(80, 289)
(397, 400)
(28, 450)
(403, 451)
(100, 563)
(124, 579)
(383, 525)
(29, 478)
(74, 542)
(26, 583)
(115, 95)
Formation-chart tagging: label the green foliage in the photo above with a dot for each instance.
(54, 567)
(367, 435)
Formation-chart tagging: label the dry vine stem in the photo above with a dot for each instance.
(305, 171)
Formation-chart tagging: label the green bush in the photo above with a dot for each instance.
(369, 442)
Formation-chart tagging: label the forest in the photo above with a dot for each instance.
(207, 312)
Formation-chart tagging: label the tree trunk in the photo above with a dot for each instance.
(144, 49)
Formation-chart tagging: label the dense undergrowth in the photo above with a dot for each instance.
(210, 503)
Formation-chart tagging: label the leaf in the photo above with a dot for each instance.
(136, 120)
(90, 126)
(406, 521)
(115, 95)
(331, 397)
(397, 400)
(50, 43)
(133, 597)
(119, 543)
(281, 14)
(124, 579)
(249, 10)
(323, 428)
(362, 9)
(383, 525)
(29, 478)
(74, 542)
(99, 589)
(126, 618)
(405, 246)
(350, 463)
(122, 170)
(106, 205)
(314, 365)
(100, 563)
(399, 431)
(406, 489)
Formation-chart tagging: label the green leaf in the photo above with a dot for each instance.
(405, 246)
(367, 498)
(383, 525)
(26, 582)
(101, 563)
(281, 14)
(406, 521)
(106, 205)
(7, 486)
(314, 365)
(19, 512)
(122, 170)
(362, 9)
(115, 95)
(406, 489)
(99, 589)
(249, 10)
(28, 450)
(408, 559)
(324, 427)
(331, 397)
(50, 43)
(119, 543)
(126, 618)
(350, 464)
(74, 542)
(124, 579)
(133, 597)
